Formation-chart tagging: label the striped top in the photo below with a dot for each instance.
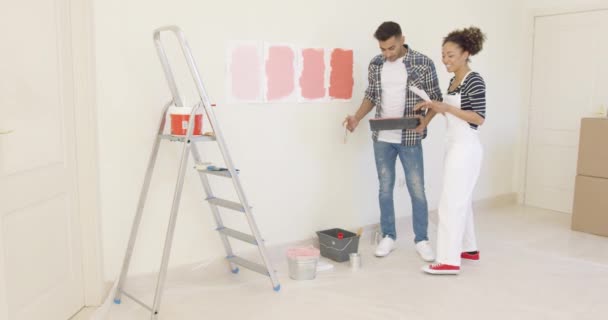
(472, 95)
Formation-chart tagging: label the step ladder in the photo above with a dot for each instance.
(189, 147)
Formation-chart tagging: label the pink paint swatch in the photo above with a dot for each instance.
(312, 80)
(246, 73)
(280, 72)
(341, 79)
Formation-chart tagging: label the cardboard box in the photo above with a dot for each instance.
(593, 148)
(590, 210)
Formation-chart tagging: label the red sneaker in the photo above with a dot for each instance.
(470, 256)
(440, 268)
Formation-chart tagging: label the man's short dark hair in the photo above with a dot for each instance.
(387, 30)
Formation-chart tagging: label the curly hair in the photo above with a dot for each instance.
(469, 39)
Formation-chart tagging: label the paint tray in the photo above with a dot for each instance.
(337, 244)
(393, 123)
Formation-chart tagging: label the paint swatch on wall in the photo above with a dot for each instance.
(281, 73)
(245, 73)
(280, 70)
(312, 74)
(341, 78)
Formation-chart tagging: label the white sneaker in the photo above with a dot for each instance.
(425, 251)
(386, 245)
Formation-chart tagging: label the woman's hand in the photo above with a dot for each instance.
(436, 106)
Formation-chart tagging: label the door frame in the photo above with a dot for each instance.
(82, 37)
(526, 85)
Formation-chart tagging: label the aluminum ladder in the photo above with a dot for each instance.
(189, 146)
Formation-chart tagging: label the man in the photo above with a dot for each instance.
(390, 76)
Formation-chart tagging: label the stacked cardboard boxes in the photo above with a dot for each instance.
(590, 210)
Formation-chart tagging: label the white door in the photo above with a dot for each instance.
(569, 81)
(40, 244)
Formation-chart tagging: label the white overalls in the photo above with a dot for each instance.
(456, 231)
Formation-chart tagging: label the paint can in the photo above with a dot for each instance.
(180, 117)
(302, 262)
(376, 237)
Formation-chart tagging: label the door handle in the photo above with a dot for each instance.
(5, 132)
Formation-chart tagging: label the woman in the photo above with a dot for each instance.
(464, 107)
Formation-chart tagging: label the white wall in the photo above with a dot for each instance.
(297, 174)
(529, 10)
(567, 5)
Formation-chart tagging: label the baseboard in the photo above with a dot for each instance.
(501, 200)
(369, 230)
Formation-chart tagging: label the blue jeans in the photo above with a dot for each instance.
(413, 166)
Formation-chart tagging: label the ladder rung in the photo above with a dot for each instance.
(222, 173)
(238, 235)
(249, 265)
(181, 138)
(136, 300)
(226, 204)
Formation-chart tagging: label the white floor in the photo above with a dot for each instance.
(533, 267)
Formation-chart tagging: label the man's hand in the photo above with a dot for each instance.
(420, 128)
(351, 123)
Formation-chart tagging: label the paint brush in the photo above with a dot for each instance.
(345, 132)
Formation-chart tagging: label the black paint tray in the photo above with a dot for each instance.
(393, 123)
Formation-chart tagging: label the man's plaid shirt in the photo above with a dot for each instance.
(420, 73)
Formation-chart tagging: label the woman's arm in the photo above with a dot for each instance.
(442, 107)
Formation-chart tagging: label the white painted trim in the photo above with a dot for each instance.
(529, 31)
(526, 84)
(85, 115)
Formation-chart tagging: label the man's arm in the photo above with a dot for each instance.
(368, 101)
(433, 90)
(424, 121)
(431, 87)
(353, 121)
(432, 83)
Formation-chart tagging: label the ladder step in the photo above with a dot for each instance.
(181, 138)
(249, 265)
(221, 173)
(226, 204)
(238, 235)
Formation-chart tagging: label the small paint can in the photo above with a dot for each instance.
(376, 237)
(354, 260)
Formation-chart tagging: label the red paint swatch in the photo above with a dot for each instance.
(341, 79)
(280, 72)
(312, 80)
